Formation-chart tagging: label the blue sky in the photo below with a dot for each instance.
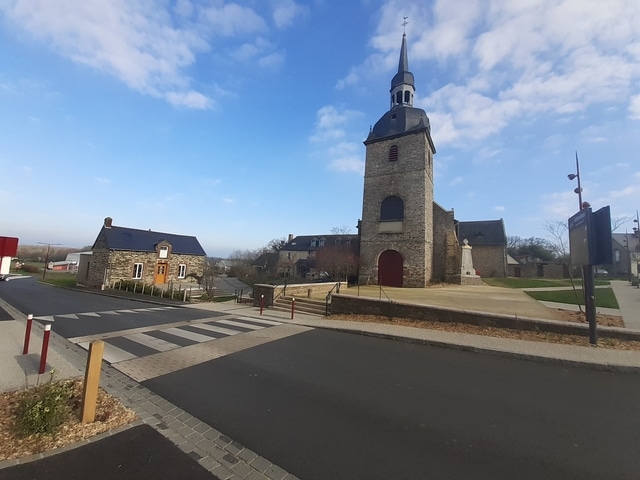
(240, 122)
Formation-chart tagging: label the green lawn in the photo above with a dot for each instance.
(515, 282)
(604, 297)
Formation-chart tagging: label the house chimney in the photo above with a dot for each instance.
(107, 222)
(290, 237)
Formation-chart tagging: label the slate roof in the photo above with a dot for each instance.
(482, 233)
(132, 239)
(302, 243)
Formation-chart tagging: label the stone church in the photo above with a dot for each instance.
(406, 239)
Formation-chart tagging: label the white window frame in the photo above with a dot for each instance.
(182, 270)
(138, 269)
(164, 252)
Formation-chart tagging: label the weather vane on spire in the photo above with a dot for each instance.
(404, 25)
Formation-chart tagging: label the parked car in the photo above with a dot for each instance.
(601, 272)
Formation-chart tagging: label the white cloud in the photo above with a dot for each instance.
(285, 12)
(147, 45)
(345, 157)
(509, 60)
(499, 208)
(332, 122)
(634, 107)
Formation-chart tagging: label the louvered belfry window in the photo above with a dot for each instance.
(393, 153)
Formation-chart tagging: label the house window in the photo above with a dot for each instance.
(182, 270)
(314, 243)
(137, 271)
(164, 252)
(393, 153)
(617, 256)
(322, 242)
(288, 255)
(338, 241)
(392, 209)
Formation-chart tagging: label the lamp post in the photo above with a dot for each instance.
(588, 288)
(46, 258)
(636, 233)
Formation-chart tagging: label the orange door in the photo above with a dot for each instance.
(161, 273)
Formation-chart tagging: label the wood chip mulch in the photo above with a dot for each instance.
(604, 320)
(110, 414)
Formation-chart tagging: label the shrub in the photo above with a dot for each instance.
(43, 409)
(30, 268)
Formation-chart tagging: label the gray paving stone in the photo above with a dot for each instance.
(234, 448)
(256, 476)
(222, 472)
(212, 434)
(202, 428)
(242, 469)
(260, 464)
(247, 455)
(208, 463)
(275, 472)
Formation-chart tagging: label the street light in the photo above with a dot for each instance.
(46, 259)
(578, 190)
(587, 270)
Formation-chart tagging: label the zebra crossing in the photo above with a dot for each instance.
(104, 313)
(135, 343)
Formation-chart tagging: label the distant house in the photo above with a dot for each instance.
(489, 242)
(121, 253)
(298, 257)
(626, 255)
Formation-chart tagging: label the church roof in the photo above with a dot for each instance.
(398, 121)
(403, 117)
(482, 233)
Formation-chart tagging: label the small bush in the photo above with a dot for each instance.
(29, 268)
(44, 408)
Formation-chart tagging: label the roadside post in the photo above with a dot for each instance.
(293, 307)
(261, 303)
(45, 348)
(27, 334)
(589, 245)
(92, 381)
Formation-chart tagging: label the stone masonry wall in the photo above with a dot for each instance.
(348, 305)
(490, 261)
(411, 179)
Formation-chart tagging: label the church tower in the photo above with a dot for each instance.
(396, 234)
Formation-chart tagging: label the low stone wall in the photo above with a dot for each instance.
(301, 290)
(349, 305)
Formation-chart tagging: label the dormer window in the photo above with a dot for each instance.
(163, 252)
(322, 242)
(314, 243)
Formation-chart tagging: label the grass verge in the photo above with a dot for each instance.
(605, 297)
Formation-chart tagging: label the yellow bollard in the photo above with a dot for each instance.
(92, 381)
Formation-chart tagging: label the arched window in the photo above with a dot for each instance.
(398, 98)
(392, 209)
(407, 96)
(393, 153)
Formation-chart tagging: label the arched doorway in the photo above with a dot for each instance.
(390, 269)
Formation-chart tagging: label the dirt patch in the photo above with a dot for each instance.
(497, 332)
(110, 414)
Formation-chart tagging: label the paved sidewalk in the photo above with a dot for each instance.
(629, 302)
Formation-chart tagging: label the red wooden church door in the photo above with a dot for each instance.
(390, 269)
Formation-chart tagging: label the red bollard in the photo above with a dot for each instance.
(261, 303)
(45, 347)
(293, 307)
(27, 334)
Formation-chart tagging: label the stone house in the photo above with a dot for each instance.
(298, 256)
(125, 254)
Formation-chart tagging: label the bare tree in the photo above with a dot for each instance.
(343, 230)
(339, 261)
(617, 222)
(559, 232)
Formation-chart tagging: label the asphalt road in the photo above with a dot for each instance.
(31, 296)
(331, 405)
(137, 453)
